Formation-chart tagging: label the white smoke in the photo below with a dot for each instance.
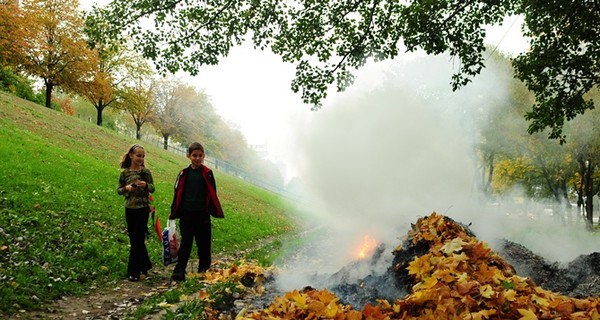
(374, 160)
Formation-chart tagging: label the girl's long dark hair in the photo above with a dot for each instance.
(126, 159)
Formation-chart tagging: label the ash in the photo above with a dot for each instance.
(579, 278)
(384, 274)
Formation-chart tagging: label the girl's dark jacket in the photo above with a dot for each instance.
(213, 206)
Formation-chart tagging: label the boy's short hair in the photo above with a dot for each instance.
(195, 146)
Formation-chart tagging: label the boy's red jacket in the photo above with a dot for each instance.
(212, 201)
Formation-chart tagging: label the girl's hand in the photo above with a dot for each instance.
(141, 184)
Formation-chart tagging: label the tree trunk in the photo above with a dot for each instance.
(580, 204)
(565, 194)
(138, 133)
(99, 109)
(566, 216)
(489, 167)
(49, 88)
(490, 173)
(166, 141)
(589, 192)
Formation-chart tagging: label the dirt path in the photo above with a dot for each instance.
(113, 301)
(107, 303)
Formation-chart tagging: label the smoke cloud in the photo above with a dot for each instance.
(374, 160)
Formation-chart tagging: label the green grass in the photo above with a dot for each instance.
(62, 226)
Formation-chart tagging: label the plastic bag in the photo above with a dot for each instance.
(170, 243)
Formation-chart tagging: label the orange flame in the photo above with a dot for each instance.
(367, 247)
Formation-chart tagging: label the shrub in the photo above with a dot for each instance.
(17, 85)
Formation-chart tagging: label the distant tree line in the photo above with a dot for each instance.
(543, 169)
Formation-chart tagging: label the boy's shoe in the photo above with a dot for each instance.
(145, 275)
(133, 278)
(178, 276)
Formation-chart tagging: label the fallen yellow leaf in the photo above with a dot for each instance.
(510, 295)
(539, 300)
(453, 246)
(486, 291)
(527, 314)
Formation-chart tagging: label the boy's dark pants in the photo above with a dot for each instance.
(196, 227)
(137, 225)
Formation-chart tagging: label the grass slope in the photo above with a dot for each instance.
(62, 226)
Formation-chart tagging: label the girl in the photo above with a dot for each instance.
(136, 183)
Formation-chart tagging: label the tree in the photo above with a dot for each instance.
(198, 121)
(56, 51)
(116, 64)
(541, 168)
(12, 34)
(171, 99)
(100, 89)
(201, 123)
(563, 63)
(329, 39)
(500, 123)
(585, 149)
(137, 99)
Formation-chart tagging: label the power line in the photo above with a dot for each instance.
(503, 36)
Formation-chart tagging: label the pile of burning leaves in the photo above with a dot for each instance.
(447, 274)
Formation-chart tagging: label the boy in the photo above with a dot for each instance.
(194, 201)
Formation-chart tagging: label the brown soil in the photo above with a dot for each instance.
(107, 303)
